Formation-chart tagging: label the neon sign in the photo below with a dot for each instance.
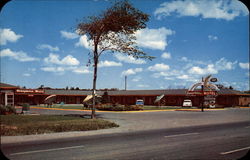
(30, 91)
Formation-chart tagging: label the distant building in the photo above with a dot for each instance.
(7, 92)
(11, 95)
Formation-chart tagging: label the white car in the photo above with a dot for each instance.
(187, 103)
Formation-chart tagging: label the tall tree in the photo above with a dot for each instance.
(113, 30)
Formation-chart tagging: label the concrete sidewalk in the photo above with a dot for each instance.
(139, 121)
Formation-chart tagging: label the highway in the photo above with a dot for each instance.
(213, 141)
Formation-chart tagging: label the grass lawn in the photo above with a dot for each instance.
(63, 106)
(68, 107)
(12, 125)
(144, 107)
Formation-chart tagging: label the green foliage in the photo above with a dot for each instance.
(118, 107)
(12, 125)
(7, 110)
(248, 92)
(2, 109)
(105, 98)
(25, 107)
(114, 30)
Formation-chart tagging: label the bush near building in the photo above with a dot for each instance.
(4, 110)
(118, 107)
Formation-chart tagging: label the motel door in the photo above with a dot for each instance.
(78, 100)
(9, 98)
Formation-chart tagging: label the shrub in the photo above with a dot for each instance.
(11, 109)
(118, 107)
(7, 110)
(25, 107)
(2, 109)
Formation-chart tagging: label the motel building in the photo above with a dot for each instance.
(13, 95)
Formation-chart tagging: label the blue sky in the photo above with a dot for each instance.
(189, 38)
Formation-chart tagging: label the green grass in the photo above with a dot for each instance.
(144, 107)
(68, 107)
(12, 125)
(64, 106)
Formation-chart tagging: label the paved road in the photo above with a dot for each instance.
(141, 121)
(216, 141)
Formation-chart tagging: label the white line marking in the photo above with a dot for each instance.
(46, 150)
(178, 135)
(236, 150)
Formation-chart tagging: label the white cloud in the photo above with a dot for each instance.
(60, 70)
(219, 65)
(59, 65)
(47, 46)
(212, 37)
(191, 62)
(166, 55)
(176, 74)
(128, 59)
(153, 38)
(19, 56)
(143, 85)
(131, 71)
(84, 42)
(68, 60)
(26, 75)
(69, 35)
(159, 67)
(109, 64)
(218, 9)
(7, 35)
(82, 70)
(244, 65)
(210, 69)
(223, 64)
(32, 69)
(146, 38)
(53, 69)
(136, 79)
(193, 71)
(168, 73)
(184, 77)
(184, 59)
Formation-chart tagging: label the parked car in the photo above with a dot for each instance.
(187, 103)
(139, 102)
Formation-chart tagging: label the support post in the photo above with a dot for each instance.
(202, 99)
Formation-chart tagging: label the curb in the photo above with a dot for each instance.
(163, 110)
(198, 110)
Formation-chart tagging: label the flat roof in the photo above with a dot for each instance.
(172, 92)
(176, 92)
(7, 86)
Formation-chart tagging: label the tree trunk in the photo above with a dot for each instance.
(94, 82)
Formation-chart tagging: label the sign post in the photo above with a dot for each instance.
(202, 91)
(208, 91)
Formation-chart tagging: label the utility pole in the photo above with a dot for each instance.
(125, 83)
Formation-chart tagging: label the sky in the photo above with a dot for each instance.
(190, 39)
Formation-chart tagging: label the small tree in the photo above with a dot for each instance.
(113, 30)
